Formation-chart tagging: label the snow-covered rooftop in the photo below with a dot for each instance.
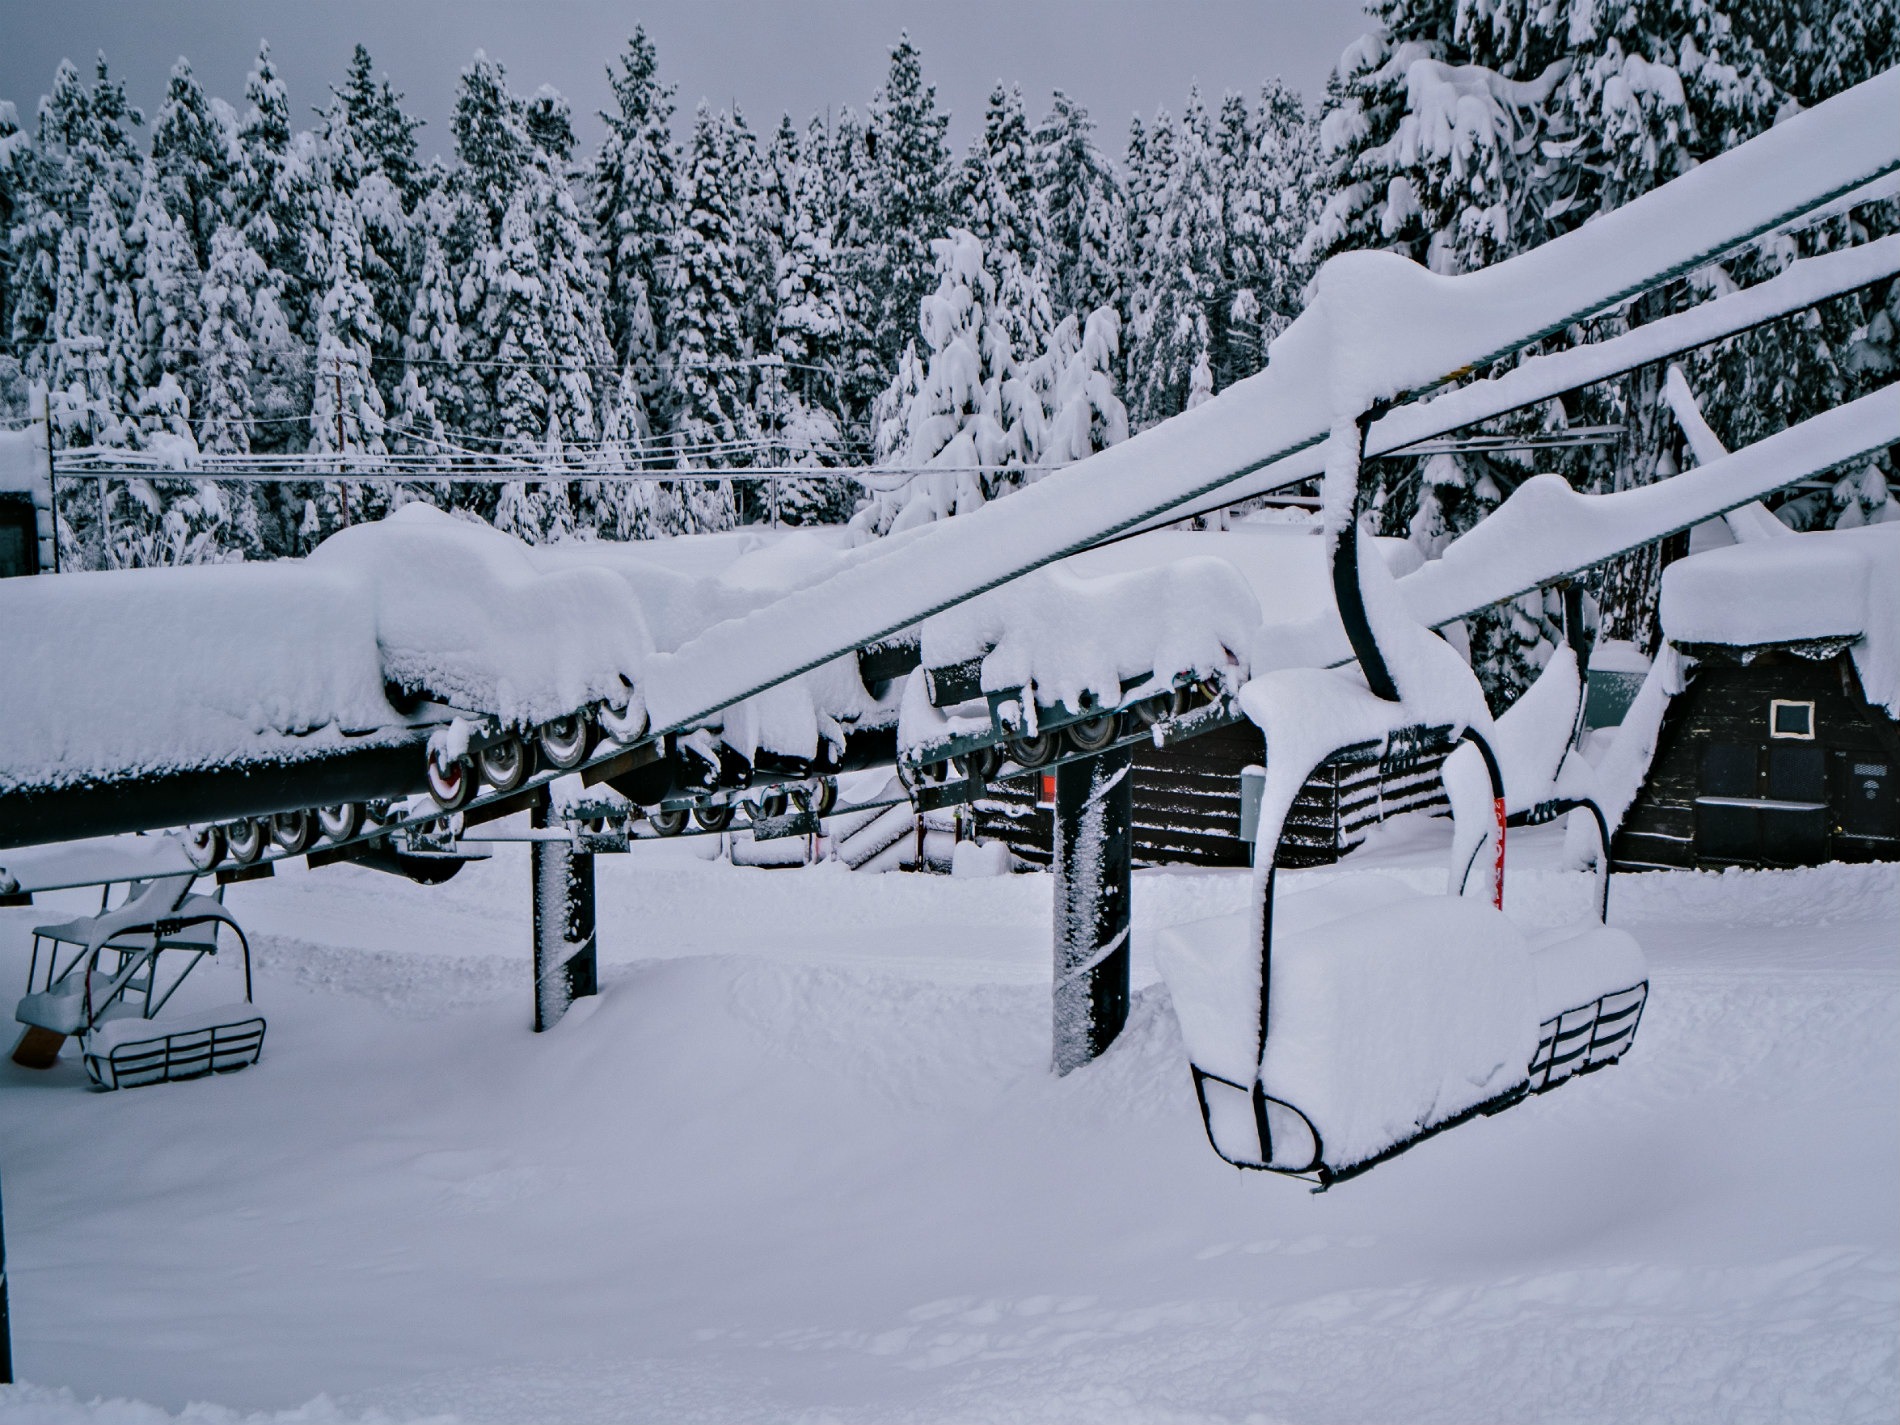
(1838, 584)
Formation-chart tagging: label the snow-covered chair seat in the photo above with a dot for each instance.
(121, 1001)
(1390, 1015)
(125, 1053)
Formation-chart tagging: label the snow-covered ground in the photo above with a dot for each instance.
(804, 1159)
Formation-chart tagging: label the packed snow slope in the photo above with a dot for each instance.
(804, 1159)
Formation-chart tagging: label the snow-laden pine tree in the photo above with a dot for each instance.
(849, 172)
(84, 147)
(1283, 169)
(20, 164)
(273, 197)
(910, 178)
(635, 196)
(367, 122)
(710, 420)
(1083, 226)
(269, 204)
(955, 410)
(192, 159)
(622, 508)
(1178, 318)
(1084, 414)
(433, 393)
(166, 282)
(518, 305)
(800, 390)
(1236, 349)
(347, 412)
(1791, 369)
(573, 328)
(98, 358)
(494, 154)
(225, 364)
(1462, 134)
(369, 156)
(994, 196)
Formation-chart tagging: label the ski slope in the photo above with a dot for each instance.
(804, 1160)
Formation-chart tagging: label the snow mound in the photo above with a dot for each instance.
(463, 614)
(1075, 638)
(22, 460)
(141, 672)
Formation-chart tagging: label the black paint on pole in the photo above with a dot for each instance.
(6, 1321)
(1093, 822)
(565, 966)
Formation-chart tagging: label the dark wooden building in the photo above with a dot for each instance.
(1187, 804)
(1771, 756)
(1776, 752)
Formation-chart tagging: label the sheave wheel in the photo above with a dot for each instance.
(293, 831)
(1092, 734)
(1028, 752)
(565, 741)
(204, 846)
(668, 822)
(451, 784)
(716, 817)
(246, 839)
(504, 764)
(340, 823)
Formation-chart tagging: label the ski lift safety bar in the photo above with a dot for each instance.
(1841, 123)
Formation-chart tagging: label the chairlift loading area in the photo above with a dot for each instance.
(615, 700)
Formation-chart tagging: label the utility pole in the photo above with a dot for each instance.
(342, 490)
(41, 395)
(6, 1324)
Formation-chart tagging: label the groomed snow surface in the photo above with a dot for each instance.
(804, 1159)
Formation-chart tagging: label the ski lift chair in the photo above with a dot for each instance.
(111, 989)
(1353, 1030)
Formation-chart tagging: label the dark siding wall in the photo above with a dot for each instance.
(1187, 805)
(1727, 706)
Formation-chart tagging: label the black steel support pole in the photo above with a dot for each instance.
(6, 1320)
(565, 967)
(1094, 824)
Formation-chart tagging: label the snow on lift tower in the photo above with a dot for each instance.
(1333, 1030)
(112, 990)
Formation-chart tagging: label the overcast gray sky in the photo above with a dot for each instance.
(1115, 56)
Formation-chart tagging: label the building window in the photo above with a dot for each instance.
(1790, 719)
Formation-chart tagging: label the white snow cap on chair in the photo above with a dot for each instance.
(1838, 584)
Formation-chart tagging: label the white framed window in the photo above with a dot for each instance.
(1788, 718)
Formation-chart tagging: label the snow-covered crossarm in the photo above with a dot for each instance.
(1546, 531)
(1380, 328)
